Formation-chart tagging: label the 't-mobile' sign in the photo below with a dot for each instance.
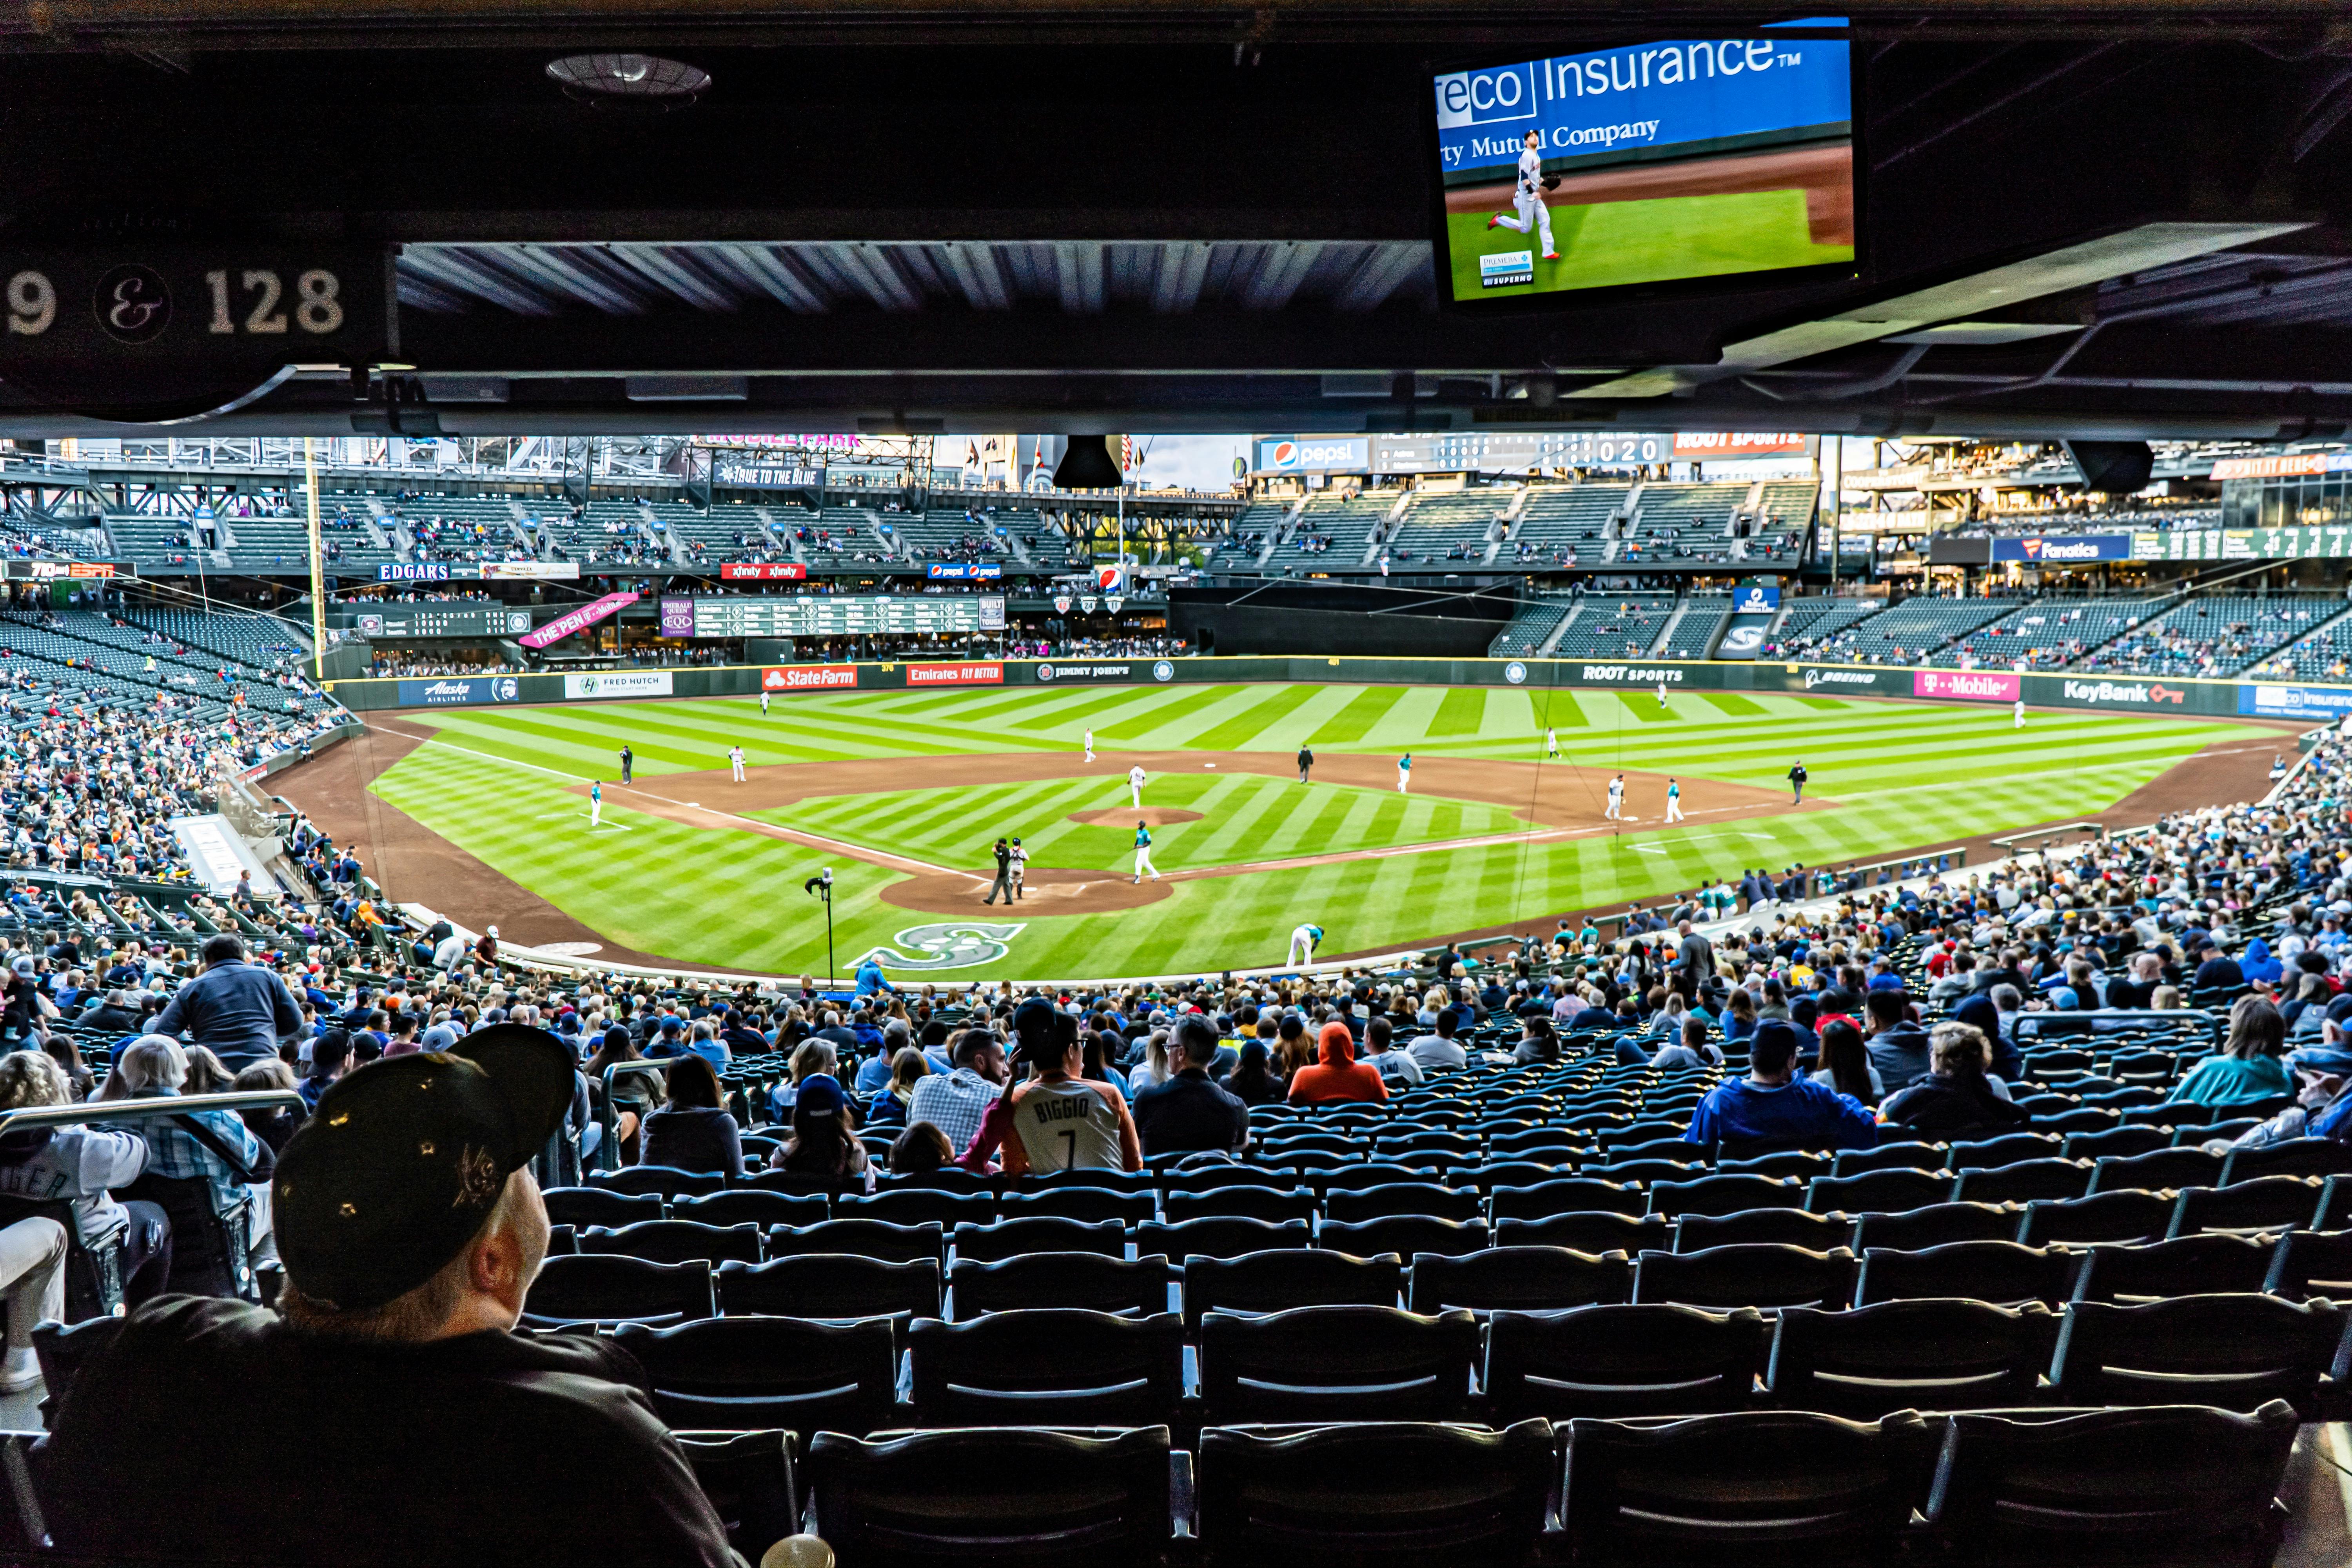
(581, 619)
(808, 677)
(1969, 684)
(955, 675)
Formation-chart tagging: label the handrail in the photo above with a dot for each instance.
(146, 1108)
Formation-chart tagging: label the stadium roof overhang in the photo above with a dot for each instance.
(2082, 221)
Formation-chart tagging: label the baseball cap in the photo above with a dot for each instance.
(821, 1094)
(405, 1159)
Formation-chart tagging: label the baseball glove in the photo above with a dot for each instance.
(1551, 182)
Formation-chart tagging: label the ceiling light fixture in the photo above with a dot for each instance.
(629, 81)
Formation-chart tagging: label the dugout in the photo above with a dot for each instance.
(1325, 618)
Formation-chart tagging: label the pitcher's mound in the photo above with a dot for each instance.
(1048, 892)
(1128, 817)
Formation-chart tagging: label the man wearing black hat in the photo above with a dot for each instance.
(407, 1424)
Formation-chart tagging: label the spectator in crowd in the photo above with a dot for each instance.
(1337, 1075)
(955, 1102)
(1956, 1099)
(1187, 1112)
(1692, 1049)
(330, 1057)
(1058, 1120)
(33, 1281)
(1846, 1066)
(1898, 1047)
(275, 1125)
(1383, 1055)
(692, 1132)
(236, 1010)
(1253, 1082)
(79, 1164)
(2250, 1065)
(1438, 1052)
(424, 1431)
(215, 1145)
(823, 1144)
(1537, 1041)
(920, 1151)
(888, 1107)
(1772, 1102)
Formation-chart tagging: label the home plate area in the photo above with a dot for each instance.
(1046, 890)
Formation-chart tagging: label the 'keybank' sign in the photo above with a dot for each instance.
(2129, 694)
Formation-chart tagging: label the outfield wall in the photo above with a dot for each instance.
(2108, 693)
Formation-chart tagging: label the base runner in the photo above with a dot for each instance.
(1616, 799)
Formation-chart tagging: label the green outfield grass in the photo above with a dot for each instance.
(1609, 243)
(496, 781)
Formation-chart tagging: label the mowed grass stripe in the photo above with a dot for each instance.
(1364, 711)
(1246, 730)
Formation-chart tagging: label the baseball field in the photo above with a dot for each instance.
(482, 814)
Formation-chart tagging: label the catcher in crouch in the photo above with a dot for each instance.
(1527, 195)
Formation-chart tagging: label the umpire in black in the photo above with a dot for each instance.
(1003, 874)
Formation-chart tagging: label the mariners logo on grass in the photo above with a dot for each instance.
(953, 945)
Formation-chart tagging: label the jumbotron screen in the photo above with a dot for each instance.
(1694, 158)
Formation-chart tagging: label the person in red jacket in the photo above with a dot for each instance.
(1338, 1074)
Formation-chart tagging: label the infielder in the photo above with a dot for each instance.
(1551, 744)
(1404, 774)
(1616, 799)
(1020, 871)
(1673, 801)
(1090, 745)
(1135, 777)
(1144, 854)
(596, 802)
(1302, 943)
(1527, 197)
(735, 761)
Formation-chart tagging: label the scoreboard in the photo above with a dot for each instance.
(831, 614)
(441, 621)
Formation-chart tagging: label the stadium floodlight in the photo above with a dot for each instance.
(625, 81)
(820, 886)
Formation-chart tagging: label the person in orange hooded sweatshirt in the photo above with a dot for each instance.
(1338, 1074)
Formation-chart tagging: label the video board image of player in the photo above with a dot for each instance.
(1686, 159)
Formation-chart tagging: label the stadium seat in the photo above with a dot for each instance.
(2022, 1181)
(1765, 1276)
(1890, 1191)
(2009, 1149)
(1404, 1198)
(743, 1373)
(1516, 1280)
(1929, 1354)
(751, 1480)
(1218, 1238)
(1725, 1195)
(873, 1238)
(1593, 1232)
(830, 1285)
(1265, 1282)
(1272, 1206)
(2305, 1264)
(2115, 1141)
(1802, 1163)
(1912, 1155)
(1331, 1498)
(63, 1348)
(2231, 1351)
(607, 1288)
(2157, 1170)
(584, 1206)
(661, 1181)
(2319, 1157)
(2260, 1205)
(1649, 1173)
(1089, 1205)
(1500, 1173)
(1137, 1286)
(2190, 1265)
(1938, 1225)
(1403, 1235)
(1775, 1488)
(1053, 1366)
(1011, 1238)
(1788, 1227)
(1015, 1498)
(2000, 1272)
(2334, 1205)
(1336, 1363)
(739, 1205)
(1570, 1194)
(2164, 1487)
(675, 1241)
(917, 1205)
(1621, 1361)
(2118, 1216)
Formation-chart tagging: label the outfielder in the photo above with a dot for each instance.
(735, 761)
(1144, 854)
(1302, 943)
(1551, 744)
(596, 802)
(1404, 774)
(1090, 745)
(1135, 776)
(1527, 197)
(2021, 712)
(1661, 694)
(763, 702)
(1616, 799)
(1673, 801)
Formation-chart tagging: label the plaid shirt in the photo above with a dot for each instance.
(953, 1102)
(173, 1152)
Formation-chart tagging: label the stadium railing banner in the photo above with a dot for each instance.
(581, 619)
(2121, 692)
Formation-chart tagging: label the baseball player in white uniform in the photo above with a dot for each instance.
(596, 802)
(764, 703)
(1527, 197)
(1404, 774)
(1302, 942)
(1673, 801)
(2021, 712)
(735, 761)
(1135, 776)
(1143, 865)
(1020, 868)
(1551, 744)
(1616, 799)
(1661, 694)
(1090, 745)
